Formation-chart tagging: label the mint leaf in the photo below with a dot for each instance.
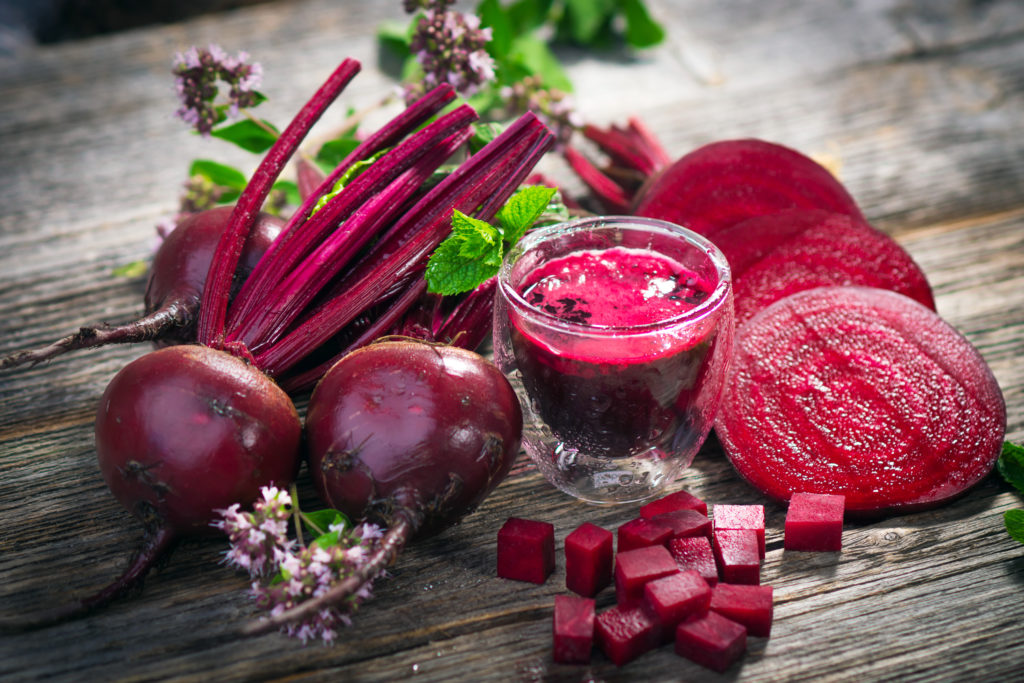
(484, 133)
(347, 177)
(219, 174)
(290, 190)
(523, 209)
(332, 153)
(1014, 521)
(641, 29)
(492, 15)
(248, 135)
(320, 521)
(468, 257)
(133, 269)
(585, 18)
(1011, 464)
(535, 57)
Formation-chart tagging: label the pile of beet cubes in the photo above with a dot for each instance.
(679, 576)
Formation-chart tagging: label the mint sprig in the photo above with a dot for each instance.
(1011, 465)
(472, 253)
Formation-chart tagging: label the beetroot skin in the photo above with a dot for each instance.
(779, 254)
(864, 393)
(723, 183)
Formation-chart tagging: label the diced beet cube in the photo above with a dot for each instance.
(573, 629)
(685, 523)
(640, 533)
(625, 633)
(711, 641)
(634, 568)
(742, 517)
(676, 597)
(736, 555)
(526, 550)
(814, 522)
(588, 559)
(695, 553)
(680, 500)
(747, 605)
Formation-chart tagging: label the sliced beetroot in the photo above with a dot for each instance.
(737, 555)
(526, 550)
(723, 183)
(711, 641)
(588, 559)
(747, 605)
(626, 632)
(640, 533)
(685, 523)
(695, 553)
(634, 568)
(573, 629)
(860, 392)
(677, 597)
(680, 500)
(814, 522)
(750, 517)
(778, 254)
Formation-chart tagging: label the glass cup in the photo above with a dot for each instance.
(616, 333)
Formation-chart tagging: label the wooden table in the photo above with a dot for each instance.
(919, 107)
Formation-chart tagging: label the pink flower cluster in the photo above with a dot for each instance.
(197, 73)
(451, 48)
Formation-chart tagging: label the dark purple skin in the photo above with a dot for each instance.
(413, 430)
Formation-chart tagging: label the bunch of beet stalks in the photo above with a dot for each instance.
(190, 429)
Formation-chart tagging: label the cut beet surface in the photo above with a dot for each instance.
(779, 254)
(680, 500)
(640, 533)
(712, 641)
(814, 522)
(723, 183)
(634, 568)
(588, 559)
(749, 517)
(737, 555)
(684, 523)
(747, 605)
(860, 392)
(573, 629)
(526, 550)
(625, 633)
(676, 597)
(695, 553)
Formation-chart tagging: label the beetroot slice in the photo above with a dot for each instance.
(782, 253)
(859, 392)
(724, 182)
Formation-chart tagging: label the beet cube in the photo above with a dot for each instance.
(680, 500)
(737, 556)
(676, 597)
(526, 550)
(814, 522)
(641, 532)
(634, 568)
(711, 641)
(588, 559)
(625, 633)
(747, 605)
(685, 523)
(573, 629)
(695, 553)
(742, 517)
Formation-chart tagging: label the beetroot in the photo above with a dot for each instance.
(640, 533)
(823, 372)
(744, 604)
(677, 597)
(778, 254)
(626, 632)
(685, 523)
(814, 521)
(526, 550)
(573, 629)
(737, 555)
(723, 183)
(711, 641)
(749, 517)
(588, 559)
(680, 500)
(695, 553)
(634, 568)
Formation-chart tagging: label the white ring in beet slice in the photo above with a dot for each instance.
(779, 254)
(861, 392)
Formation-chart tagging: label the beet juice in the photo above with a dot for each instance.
(617, 339)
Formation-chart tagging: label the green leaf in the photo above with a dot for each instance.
(320, 521)
(333, 152)
(467, 257)
(348, 176)
(1014, 521)
(395, 36)
(1011, 464)
(484, 133)
(494, 16)
(133, 269)
(290, 190)
(536, 58)
(586, 18)
(522, 210)
(527, 15)
(248, 135)
(219, 174)
(641, 29)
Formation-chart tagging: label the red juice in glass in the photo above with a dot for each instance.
(616, 333)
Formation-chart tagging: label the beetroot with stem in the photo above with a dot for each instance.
(176, 279)
(823, 372)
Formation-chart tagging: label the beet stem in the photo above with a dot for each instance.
(607, 190)
(391, 544)
(147, 328)
(213, 309)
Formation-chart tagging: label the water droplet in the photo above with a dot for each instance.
(625, 479)
(415, 668)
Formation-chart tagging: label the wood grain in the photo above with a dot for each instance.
(917, 104)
